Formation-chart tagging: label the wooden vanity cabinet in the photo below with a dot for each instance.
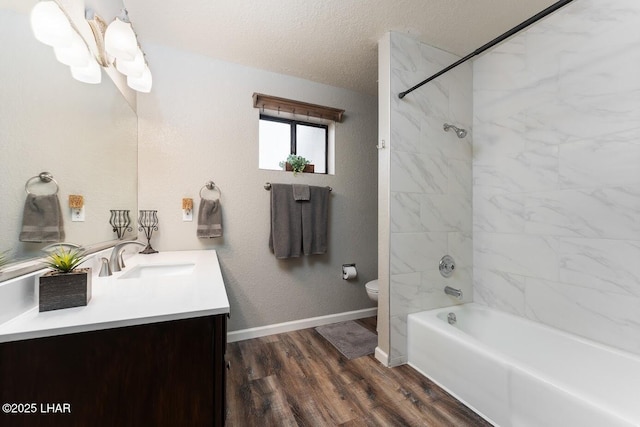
(158, 374)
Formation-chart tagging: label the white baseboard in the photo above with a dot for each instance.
(263, 331)
(382, 356)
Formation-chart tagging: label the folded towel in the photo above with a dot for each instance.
(42, 219)
(315, 219)
(300, 191)
(209, 219)
(285, 238)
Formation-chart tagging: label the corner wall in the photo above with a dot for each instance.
(556, 173)
(198, 124)
(430, 184)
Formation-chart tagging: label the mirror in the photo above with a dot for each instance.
(84, 135)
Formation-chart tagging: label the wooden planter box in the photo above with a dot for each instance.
(308, 168)
(65, 290)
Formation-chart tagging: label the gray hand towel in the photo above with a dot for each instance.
(209, 219)
(285, 238)
(42, 219)
(301, 192)
(315, 220)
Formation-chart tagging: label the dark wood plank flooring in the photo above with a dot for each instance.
(300, 379)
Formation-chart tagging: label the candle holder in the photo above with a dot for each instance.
(120, 221)
(148, 222)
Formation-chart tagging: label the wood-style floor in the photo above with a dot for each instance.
(300, 379)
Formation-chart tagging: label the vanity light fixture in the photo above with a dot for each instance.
(117, 45)
(121, 42)
(52, 26)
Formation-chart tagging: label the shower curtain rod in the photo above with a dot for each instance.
(492, 43)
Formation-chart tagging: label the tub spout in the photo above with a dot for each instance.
(453, 292)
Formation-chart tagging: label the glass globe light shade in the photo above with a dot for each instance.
(74, 55)
(142, 83)
(134, 68)
(120, 40)
(50, 25)
(88, 74)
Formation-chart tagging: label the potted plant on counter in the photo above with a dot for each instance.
(297, 164)
(66, 285)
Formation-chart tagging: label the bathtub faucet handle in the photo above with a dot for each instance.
(446, 266)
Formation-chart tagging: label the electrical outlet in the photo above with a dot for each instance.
(77, 215)
(187, 214)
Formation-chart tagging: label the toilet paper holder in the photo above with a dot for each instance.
(344, 272)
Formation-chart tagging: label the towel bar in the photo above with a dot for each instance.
(267, 187)
(210, 185)
(43, 177)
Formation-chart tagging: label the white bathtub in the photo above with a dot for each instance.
(515, 372)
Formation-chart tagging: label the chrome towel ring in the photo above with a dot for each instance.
(45, 177)
(210, 185)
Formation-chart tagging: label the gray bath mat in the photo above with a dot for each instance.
(350, 338)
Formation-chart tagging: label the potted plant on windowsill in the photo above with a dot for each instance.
(297, 164)
(66, 285)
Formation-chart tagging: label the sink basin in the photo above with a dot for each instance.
(143, 271)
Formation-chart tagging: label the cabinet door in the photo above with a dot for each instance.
(159, 374)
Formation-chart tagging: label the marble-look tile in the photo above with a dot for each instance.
(460, 83)
(405, 130)
(410, 252)
(607, 265)
(498, 211)
(598, 164)
(405, 52)
(526, 255)
(405, 212)
(513, 67)
(446, 212)
(418, 173)
(398, 338)
(498, 137)
(460, 180)
(404, 294)
(610, 213)
(612, 319)
(460, 247)
(530, 170)
(501, 290)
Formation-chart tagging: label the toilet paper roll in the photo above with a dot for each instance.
(349, 272)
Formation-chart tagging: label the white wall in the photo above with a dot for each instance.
(430, 184)
(556, 173)
(198, 124)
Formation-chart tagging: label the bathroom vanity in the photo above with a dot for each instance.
(148, 349)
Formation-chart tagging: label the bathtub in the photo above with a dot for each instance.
(515, 372)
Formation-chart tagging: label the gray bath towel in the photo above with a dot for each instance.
(42, 219)
(209, 219)
(301, 192)
(285, 239)
(315, 220)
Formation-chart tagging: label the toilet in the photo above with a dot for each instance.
(372, 290)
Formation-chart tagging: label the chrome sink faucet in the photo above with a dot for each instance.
(115, 261)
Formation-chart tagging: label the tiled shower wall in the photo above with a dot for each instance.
(430, 184)
(556, 173)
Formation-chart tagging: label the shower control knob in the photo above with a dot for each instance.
(446, 266)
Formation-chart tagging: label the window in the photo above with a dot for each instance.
(280, 137)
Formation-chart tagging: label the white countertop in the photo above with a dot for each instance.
(119, 302)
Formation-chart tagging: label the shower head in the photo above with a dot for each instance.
(460, 132)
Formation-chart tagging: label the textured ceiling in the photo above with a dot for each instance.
(327, 41)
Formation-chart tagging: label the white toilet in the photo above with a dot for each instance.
(372, 290)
